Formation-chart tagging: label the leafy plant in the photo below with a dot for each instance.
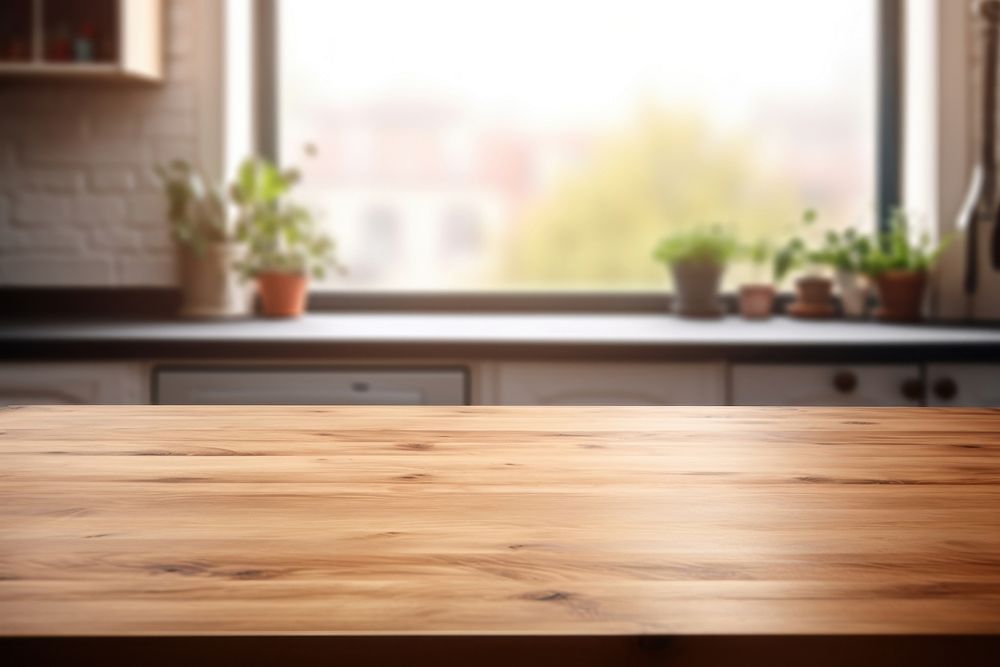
(846, 251)
(196, 209)
(896, 250)
(707, 245)
(794, 253)
(758, 254)
(281, 236)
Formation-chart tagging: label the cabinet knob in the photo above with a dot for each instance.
(845, 382)
(945, 389)
(912, 389)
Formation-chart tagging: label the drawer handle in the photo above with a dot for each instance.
(945, 389)
(845, 382)
(912, 389)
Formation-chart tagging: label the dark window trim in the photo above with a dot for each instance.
(163, 303)
(888, 159)
(265, 78)
(889, 96)
(546, 302)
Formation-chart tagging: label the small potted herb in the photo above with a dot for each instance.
(206, 243)
(847, 253)
(697, 259)
(813, 291)
(757, 297)
(284, 244)
(899, 267)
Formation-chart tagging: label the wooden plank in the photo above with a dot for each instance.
(165, 520)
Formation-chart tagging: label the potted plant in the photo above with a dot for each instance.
(284, 244)
(206, 244)
(899, 267)
(847, 253)
(813, 291)
(757, 297)
(697, 259)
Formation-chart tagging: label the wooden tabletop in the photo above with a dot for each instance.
(490, 520)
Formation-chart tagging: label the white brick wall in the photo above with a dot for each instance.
(78, 203)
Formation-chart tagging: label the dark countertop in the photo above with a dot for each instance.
(472, 335)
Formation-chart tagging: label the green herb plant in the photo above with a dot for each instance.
(796, 253)
(897, 250)
(704, 245)
(281, 236)
(758, 254)
(196, 209)
(846, 251)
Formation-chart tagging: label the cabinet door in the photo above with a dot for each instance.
(860, 385)
(310, 386)
(142, 35)
(543, 383)
(966, 385)
(71, 384)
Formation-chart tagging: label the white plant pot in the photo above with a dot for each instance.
(210, 285)
(854, 291)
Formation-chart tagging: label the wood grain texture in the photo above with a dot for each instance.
(123, 520)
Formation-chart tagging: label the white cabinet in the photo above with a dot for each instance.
(72, 383)
(969, 385)
(310, 386)
(558, 383)
(859, 385)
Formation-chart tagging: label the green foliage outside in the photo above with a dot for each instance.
(665, 173)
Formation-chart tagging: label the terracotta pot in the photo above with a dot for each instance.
(210, 286)
(696, 289)
(282, 294)
(756, 301)
(853, 294)
(901, 295)
(813, 298)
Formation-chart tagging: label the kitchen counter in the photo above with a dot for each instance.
(340, 522)
(640, 336)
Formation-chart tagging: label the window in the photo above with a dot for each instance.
(548, 144)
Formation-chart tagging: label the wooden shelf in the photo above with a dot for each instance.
(61, 69)
(113, 40)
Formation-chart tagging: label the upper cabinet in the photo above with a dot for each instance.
(110, 39)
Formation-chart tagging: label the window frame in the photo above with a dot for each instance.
(888, 185)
